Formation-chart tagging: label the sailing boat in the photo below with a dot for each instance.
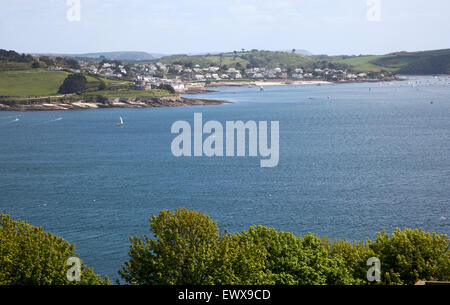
(121, 122)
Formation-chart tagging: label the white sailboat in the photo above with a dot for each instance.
(121, 122)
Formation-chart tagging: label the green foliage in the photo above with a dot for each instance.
(182, 252)
(426, 62)
(102, 86)
(239, 262)
(295, 260)
(35, 82)
(354, 255)
(47, 60)
(428, 65)
(167, 87)
(12, 56)
(187, 249)
(412, 255)
(68, 62)
(35, 65)
(101, 99)
(254, 58)
(31, 256)
(406, 257)
(74, 83)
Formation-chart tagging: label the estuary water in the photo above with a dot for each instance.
(354, 159)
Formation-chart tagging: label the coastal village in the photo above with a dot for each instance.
(192, 78)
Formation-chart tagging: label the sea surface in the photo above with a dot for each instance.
(354, 159)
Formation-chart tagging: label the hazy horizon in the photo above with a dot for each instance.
(328, 27)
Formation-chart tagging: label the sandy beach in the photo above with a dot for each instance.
(267, 83)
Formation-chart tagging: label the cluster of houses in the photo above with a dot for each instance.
(178, 76)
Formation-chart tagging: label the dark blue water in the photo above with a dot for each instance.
(350, 165)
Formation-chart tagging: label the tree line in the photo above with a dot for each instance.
(185, 247)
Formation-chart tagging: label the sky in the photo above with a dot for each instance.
(331, 27)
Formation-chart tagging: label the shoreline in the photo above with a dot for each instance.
(196, 88)
(173, 101)
(43, 104)
(267, 83)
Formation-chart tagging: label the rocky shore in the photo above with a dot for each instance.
(140, 102)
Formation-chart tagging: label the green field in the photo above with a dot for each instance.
(40, 82)
(365, 64)
(35, 82)
(8, 66)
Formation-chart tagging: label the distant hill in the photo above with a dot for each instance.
(119, 55)
(125, 55)
(300, 51)
(424, 62)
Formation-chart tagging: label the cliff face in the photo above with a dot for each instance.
(140, 102)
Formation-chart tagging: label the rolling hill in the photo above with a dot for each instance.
(424, 62)
(267, 59)
(125, 55)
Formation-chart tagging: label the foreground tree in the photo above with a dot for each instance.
(187, 249)
(31, 256)
(181, 253)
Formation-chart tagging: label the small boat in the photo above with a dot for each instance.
(261, 88)
(121, 122)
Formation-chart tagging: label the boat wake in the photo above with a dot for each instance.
(48, 122)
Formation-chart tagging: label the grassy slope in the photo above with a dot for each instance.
(267, 59)
(7, 66)
(35, 82)
(364, 63)
(415, 62)
(39, 82)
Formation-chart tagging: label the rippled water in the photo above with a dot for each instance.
(353, 161)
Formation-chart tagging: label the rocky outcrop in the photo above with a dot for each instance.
(140, 102)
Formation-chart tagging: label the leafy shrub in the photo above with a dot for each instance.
(101, 99)
(74, 83)
(167, 87)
